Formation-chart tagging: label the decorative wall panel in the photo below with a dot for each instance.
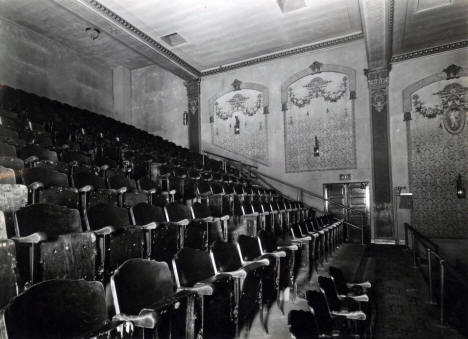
(318, 106)
(239, 121)
(437, 153)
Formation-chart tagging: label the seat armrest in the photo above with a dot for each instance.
(104, 167)
(104, 231)
(207, 219)
(237, 274)
(262, 261)
(146, 320)
(121, 190)
(277, 254)
(224, 217)
(35, 185)
(359, 298)
(150, 191)
(85, 189)
(167, 301)
(199, 288)
(150, 226)
(34, 238)
(183, 222)
(365, 284)
(356, 315)
(255, 214)
(290, 247)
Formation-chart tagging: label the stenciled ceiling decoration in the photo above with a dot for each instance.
(318, 106)
(239, 120)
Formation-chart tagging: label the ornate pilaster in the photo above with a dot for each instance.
(193, 95)
(377, 79)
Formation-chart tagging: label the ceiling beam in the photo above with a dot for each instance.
(377, 20)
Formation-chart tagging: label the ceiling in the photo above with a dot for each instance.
(223, 32)
(421, 24)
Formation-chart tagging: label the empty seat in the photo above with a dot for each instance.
(195, 271)
(303, 324)
(144, 287)
(51, 244)
(38, 152)
(60, 309)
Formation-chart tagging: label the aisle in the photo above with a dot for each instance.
(400, 296)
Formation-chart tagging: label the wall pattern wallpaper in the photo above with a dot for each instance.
(319, 114)
(239, 123)
(438, 152)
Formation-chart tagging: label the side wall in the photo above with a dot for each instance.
(36, 64)
(159, 99)
(273, 74)
(402, 75)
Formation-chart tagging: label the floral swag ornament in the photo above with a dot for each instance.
(238, 103)
(317, 87)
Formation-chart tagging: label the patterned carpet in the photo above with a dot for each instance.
(400, 296)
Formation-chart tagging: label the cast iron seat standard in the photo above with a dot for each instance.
(59, 309)
(144, 288)
(251, 249)
(118, 238)
(9, 286)
(303, 324)
(164, 238)
(51, 244)
(248, 287)
(337, 324)
(50, 186)
(194, 270)
(348, 289)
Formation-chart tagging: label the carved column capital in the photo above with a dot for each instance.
(377, 77)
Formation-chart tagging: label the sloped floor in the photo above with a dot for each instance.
(399, 293)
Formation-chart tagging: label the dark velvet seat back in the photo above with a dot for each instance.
(303, 324)
(76, 156)
(249, 247)
(102, 215)
(177, 212)
(140, 283)
(204, 187)
(193, 266)
(41, 153)
(7, 150)
(147, 184)
(63, 196)
(145, 213)
(50, 219)
(119, 180)
(226, 256)
(46, 176)
(318, 302)
(328, 286)
(82, 179)
(57, 309)
(8, 133)
(201, 211)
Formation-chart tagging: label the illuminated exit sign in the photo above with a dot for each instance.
(345, 177)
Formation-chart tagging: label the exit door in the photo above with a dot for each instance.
(349, 201)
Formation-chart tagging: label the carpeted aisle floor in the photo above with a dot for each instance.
(400, 294)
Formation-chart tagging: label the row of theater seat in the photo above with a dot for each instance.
(138, 213)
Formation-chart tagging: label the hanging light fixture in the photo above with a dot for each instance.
(92, 33)
(185, 118)
(461, 192)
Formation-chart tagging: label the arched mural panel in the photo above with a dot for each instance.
(239, 121)
(319, 119)
(437, 153)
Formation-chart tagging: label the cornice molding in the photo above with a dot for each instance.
(430, 50)
(284, 53)
(124, 24)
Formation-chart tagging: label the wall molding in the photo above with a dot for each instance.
(429, 51)
(284, 53)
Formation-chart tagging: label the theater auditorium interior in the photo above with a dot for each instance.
(233, 169)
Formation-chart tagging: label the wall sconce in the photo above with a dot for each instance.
(461, 192)
(237, 125)
(185, 118)
(316, 148)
